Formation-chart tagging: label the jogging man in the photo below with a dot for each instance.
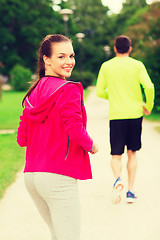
(120, 80)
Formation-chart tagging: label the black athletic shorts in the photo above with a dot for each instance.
(125, 132)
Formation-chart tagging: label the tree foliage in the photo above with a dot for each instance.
(20, 78)
(145, 35)
(91, 19)
(23, 24)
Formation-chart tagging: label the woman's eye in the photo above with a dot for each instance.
(61, 57)
(72, 56)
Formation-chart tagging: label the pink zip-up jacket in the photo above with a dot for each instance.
(53, 128)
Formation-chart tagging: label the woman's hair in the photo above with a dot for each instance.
(45, 49)
(122, 44)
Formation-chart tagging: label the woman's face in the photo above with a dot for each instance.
(62, 61)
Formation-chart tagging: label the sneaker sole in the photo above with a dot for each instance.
(130, 200)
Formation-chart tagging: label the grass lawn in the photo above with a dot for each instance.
(10, 109)
(11, 160)
(11, 155)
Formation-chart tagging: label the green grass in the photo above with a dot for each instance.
(11, 160)
(10, 109)
(11, 155)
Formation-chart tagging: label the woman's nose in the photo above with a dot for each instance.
(70, 60)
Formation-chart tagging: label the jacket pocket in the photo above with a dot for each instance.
(68, 144)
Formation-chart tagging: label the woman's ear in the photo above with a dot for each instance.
(46, 60)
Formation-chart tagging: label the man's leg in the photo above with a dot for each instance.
(117, 142)
(134, 143)
(118, 185)
(131, 167)
(116, 165)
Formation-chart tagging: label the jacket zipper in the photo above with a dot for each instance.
(67, 148)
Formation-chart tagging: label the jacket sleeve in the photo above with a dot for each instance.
(148, 87)
(69, 106)
(22, 130)
(101, 86)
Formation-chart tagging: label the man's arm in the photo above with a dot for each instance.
(101, 86)
(148, 89)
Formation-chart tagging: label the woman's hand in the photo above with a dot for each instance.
(94, 149)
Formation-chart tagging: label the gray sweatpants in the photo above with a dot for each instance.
(57, 199)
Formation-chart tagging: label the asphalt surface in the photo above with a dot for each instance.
(101, 220)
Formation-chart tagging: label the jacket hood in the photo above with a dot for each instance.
(39, 112)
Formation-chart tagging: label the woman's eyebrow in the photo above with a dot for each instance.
(66, 53)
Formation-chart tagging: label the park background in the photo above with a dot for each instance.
(92, 27)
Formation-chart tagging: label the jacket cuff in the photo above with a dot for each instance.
(91, 148)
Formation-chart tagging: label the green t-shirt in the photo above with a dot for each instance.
(119, 81)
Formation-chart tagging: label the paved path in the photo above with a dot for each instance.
(101, 220)
(7, 131)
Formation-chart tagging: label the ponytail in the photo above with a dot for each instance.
(29, 91)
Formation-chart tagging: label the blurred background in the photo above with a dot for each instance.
(92, 25)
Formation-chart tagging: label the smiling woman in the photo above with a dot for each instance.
(62, 61)
(53, 129)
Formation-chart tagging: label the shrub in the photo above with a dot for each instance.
(19, 77)
(86, 78)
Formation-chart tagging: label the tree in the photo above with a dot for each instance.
(23, 24)
(145, 36)
(129, 9)
(91, 19)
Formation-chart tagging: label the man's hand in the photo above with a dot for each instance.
(145, 111)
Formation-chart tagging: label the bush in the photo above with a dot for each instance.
(19, 77)
(86, 78)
